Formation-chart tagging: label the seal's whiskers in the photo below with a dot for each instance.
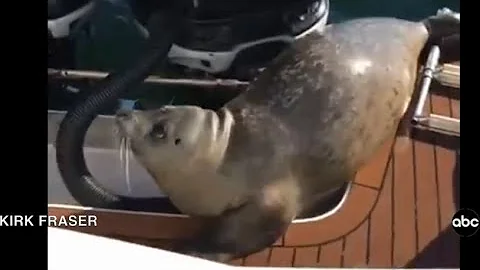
(125, 161)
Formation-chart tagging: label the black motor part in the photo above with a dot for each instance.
(218, 33)
(59, 8)
(220, 28)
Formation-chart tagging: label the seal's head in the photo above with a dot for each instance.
(172, 138)
(444, 24)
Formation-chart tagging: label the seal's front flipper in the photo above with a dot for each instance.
(240, 232)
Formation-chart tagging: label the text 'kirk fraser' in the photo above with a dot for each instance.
(46, 220)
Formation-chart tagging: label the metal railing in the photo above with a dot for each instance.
(447, 75)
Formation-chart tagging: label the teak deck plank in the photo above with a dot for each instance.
(356, 246)
(404, 231)
(261, 258)
(282, 256)
(427, 195)
(304, 256)
(381, 224)
(397, 214)
(330, 255)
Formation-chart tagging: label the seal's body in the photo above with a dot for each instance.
(302, 130)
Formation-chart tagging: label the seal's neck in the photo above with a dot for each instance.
(256, 133)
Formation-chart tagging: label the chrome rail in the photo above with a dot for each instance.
(447, 75)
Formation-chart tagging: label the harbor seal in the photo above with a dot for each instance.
(301, 131)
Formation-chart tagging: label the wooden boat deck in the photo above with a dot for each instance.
(397, 215)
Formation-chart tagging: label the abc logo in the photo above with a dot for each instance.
(465, 222)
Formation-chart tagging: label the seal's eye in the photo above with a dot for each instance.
(158, 131)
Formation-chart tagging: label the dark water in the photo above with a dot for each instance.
(405, 9)
(113, 40)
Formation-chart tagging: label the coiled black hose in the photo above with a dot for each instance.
(73, 128)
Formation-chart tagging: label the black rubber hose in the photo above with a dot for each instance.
(71, 134)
